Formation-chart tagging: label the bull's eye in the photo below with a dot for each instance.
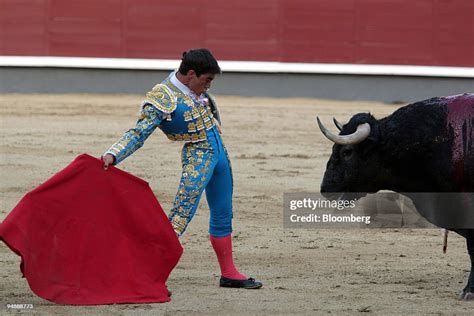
(346, 152)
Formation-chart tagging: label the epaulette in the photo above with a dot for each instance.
(162, 98)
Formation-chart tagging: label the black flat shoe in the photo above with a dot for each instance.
(250, 283)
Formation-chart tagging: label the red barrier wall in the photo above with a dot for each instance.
(417, 32)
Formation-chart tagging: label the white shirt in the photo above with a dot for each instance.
(174, 80)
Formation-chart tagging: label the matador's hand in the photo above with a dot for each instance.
(108, 159)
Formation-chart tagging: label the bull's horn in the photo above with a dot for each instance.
(362, 132)
(338, 125)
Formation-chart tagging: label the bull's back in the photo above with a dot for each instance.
(460, 125)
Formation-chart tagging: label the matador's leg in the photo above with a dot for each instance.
(219, 196)
(198, 163)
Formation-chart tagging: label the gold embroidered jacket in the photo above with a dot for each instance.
(179, 116)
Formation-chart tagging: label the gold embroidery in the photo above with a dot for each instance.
(173, 88)
(195, 112)
(191, 127)
(179, 224)
(188, 101)
(197, 158)
(187, 116)
(190, 169)
(208, 124)
(199, 124)
(162, 98)
(198, 118)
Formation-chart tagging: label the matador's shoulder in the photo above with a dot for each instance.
(162, 98)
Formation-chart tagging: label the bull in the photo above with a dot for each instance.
(427, 146)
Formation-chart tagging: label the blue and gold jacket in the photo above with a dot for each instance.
(179, 116)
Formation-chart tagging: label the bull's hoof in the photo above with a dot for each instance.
(466, 296)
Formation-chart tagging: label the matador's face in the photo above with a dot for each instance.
(200, 84)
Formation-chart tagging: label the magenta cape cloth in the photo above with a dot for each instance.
(90, 236)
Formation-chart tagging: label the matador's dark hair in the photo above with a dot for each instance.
(200, 60)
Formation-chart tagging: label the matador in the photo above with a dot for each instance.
(183, 109)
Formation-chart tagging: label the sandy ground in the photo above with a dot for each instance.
(275, 147)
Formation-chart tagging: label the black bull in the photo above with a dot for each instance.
(427, 146)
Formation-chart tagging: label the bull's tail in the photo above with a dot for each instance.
(445, 239)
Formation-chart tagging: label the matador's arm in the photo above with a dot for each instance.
(133, 139)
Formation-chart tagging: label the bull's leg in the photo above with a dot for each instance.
(468, 291)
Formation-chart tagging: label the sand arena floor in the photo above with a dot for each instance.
(275, 147)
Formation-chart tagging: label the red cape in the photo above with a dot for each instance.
(90, 236)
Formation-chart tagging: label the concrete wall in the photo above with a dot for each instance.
(342, 87)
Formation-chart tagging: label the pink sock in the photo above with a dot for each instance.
(223, 249)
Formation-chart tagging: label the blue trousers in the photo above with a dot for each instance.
(206, 166)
